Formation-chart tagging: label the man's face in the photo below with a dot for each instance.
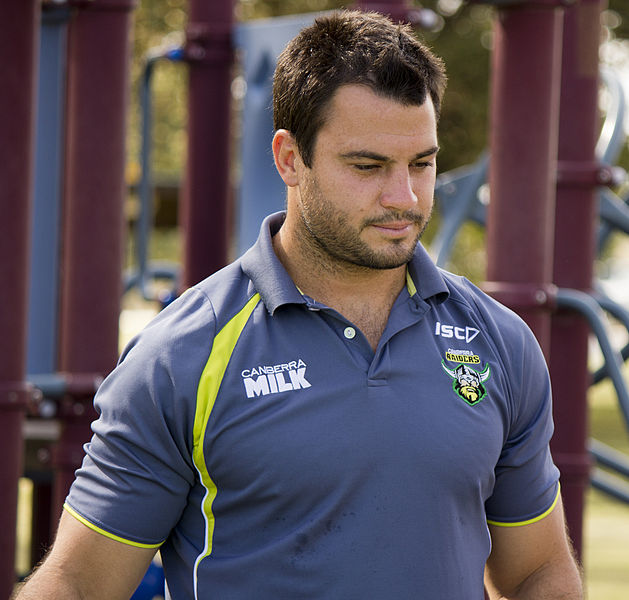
(369, 194)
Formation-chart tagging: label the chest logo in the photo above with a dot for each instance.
(466, 334)
(274, 379)
(467, 382)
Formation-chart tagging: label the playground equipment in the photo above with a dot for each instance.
(16, 127)
(145, 272)
(462, 196)
(81, 344)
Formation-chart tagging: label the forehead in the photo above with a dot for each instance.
(357, 116)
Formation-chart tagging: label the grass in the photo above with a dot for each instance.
(606, 548)
(606, 521)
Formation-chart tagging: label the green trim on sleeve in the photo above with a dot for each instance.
(207, 391)
(529, 521)
(111, 536)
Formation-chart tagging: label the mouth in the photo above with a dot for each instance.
(395, 225)
(394, 228)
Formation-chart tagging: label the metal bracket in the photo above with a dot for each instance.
(588, 174)
(69, 395)
(522, 295)
(208, 44)
(15, 395)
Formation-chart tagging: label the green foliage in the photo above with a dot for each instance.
(463, 38)
(464, 43)
(159, 24)
(616, 19)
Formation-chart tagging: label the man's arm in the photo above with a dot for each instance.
(533, 561)
(85, 565)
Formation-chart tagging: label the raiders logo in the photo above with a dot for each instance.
(467, 382)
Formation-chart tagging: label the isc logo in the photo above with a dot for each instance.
(459, 333)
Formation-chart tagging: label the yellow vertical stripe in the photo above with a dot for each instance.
(410, 285)
(209, 384)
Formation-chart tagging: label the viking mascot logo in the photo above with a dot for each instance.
(468, 383)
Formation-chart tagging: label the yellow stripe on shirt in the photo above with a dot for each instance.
(207, 391)
(529, 521)
(111, 536)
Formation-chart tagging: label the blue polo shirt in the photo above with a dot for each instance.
(254, 436)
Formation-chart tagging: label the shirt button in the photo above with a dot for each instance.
(349, 333)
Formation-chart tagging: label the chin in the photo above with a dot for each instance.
(384, 261)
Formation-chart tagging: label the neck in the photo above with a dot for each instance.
(362, 295)
(323, 279)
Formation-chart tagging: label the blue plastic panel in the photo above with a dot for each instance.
(44, 281)
(261, 190)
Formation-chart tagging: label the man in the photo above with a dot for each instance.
(330, 416)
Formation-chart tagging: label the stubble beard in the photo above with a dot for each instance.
(327, 235)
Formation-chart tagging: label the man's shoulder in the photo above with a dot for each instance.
(194, 318)
(225, 292)
(496, 316)
(462, 290)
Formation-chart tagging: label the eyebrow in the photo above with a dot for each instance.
(381, 158)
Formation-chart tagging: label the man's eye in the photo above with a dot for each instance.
(366, 167)
(421, 165)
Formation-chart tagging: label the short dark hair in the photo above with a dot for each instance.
(350, 47)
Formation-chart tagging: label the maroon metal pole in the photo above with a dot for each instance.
(398, 10)
(18, 43)
(204, 209)
(98, 61)
(574, 251)
(523, 142)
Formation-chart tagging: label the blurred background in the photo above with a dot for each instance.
(155, 162)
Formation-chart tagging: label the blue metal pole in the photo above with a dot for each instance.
(46, 234)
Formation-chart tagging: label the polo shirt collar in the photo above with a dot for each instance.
(269, 277)
(275, 286)
(427, 277)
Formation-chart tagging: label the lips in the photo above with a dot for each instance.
(396, 221)
(394, 228)
(397, 226)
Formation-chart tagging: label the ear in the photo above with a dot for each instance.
(286, 155)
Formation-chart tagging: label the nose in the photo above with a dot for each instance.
(398, 192)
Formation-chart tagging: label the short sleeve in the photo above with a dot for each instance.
(135, 478)
(526, 486)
